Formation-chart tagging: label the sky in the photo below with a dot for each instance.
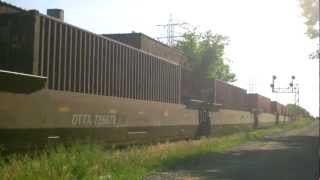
(266, 36)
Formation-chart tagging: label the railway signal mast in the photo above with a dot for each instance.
(292, 89)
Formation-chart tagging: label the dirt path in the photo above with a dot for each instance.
(289, 156)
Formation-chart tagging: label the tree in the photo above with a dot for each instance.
(205, 54)
(310, 10)
(297, 111)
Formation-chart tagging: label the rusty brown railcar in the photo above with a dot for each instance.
(220, 92)
(230, 96)
(259, 102)
(94, 86)
(196, 88)
(60, 82)
(276, 107)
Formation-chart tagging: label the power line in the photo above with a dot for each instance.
(170, 28)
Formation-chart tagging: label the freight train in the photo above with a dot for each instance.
(62, 83)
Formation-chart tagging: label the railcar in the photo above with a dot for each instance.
(62, 83)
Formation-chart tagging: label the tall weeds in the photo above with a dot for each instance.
(88, 161)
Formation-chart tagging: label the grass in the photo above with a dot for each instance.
(93, 162)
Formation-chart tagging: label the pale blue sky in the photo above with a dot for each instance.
(266, 36)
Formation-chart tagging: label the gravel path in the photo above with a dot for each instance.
(289, 156)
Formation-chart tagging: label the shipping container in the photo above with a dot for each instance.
(230, 96)
(259, 102)
(196, 88)
(217, 91)
(148, 44)
(276, 107)
(6, 8)
(77, 60)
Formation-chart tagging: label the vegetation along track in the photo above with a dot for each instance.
(93, 162)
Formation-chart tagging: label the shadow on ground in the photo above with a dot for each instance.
(281, 158)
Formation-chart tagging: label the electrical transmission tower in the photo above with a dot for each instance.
(170, 27)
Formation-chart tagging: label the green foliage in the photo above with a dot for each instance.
(82, 161)
(311, 13)
(205, 54)
(310, 10)
(297, 111)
